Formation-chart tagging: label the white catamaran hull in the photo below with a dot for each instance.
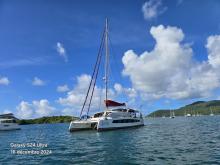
(103, 124)
(111, 124)
(9, 126)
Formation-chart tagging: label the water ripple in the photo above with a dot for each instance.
(194, 140)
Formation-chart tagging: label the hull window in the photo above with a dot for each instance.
(125, 121)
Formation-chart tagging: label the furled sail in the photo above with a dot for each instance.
(110, 103)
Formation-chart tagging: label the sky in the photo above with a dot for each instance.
(163, 54)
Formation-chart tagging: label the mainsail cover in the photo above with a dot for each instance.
(110, 103)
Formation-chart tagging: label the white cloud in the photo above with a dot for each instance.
(25, 110)
(43, 108)
(4, 81)
(118, 88)
(68, 111)
(153, 8)
(213, 46)
(76, 96)
(38, 82)
(39, 108)
(62, 52)
(7, 111)
(130, 92)
(62, 88)
(169, 69)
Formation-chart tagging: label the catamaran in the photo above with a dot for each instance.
(115, 115)
(8, 122)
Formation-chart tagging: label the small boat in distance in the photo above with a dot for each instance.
(172, 114)
(188, 115)
(115, 115)
(211, 113)
(8, 122)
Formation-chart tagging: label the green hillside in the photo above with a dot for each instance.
(199, 107)
(50, 119)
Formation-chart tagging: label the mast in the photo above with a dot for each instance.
(106, 59)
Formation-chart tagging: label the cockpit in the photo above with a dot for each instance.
(99, 114)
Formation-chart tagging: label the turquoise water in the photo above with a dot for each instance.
(194, 140)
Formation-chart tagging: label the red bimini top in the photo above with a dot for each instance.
(110, 103)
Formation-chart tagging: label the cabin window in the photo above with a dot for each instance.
(125, 121)
(8, 121)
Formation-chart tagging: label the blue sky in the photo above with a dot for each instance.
(46, 44)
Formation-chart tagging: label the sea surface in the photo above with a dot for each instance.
(192, 140)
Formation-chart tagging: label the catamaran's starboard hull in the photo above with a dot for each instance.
(112, 124)
(115, 128)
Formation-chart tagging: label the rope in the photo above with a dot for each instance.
(95, 79)
(93, 74)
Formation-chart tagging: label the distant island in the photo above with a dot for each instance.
(196, 108)
(48, 119)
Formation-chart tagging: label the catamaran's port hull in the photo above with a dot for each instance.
(79, 129)
(82, 125)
